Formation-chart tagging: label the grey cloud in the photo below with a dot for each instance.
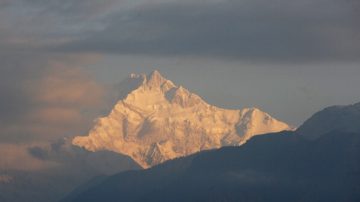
(15, 70)
(46, 96)
(16, 157)
(36, 23)
(280, 30)
(227, 29)
(38, 152)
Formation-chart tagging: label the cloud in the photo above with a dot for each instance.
(36, 23)
(281, 30)
(4, 179)
(15, 156)
(66, 86)
(320, 30)
(38, 152)
(55, 116)
(46, 97)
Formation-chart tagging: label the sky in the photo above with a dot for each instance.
(61, 60)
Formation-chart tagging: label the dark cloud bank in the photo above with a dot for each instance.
(257, 30)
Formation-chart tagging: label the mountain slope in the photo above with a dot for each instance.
(156, 121)
(335, 118)
(274, 167)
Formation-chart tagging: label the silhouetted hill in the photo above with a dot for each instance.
(335, 118)
(276, 167)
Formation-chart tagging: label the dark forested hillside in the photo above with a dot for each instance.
(275, 167)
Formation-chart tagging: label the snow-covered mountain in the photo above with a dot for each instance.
(156, 120)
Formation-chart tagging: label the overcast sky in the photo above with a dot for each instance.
(60, 59)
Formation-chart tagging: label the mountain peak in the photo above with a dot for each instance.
(181, 91)
(155, 79)
(185, 98)
(155, 74)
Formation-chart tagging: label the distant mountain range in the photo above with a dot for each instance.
(156, 120)
(318, 162)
